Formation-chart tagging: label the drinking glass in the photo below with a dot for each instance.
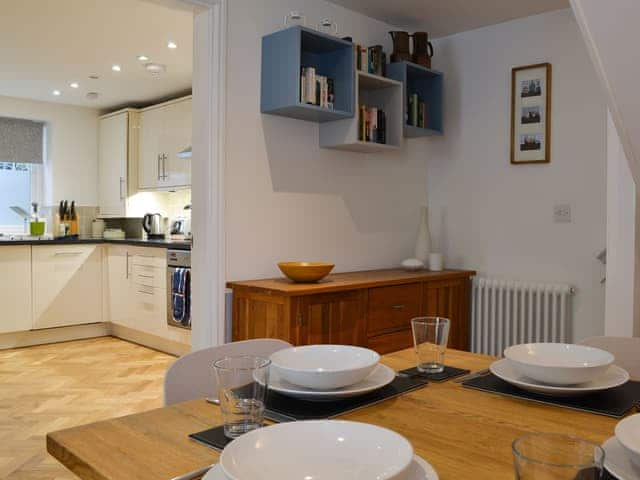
(554, 456)
(430, 336)
(242, 389)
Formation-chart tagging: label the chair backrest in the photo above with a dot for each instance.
(191, 376)
(625, 349)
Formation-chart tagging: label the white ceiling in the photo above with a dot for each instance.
(47, 44)
(445, 17)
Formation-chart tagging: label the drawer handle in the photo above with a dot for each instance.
(145, 276)
(146, 293)
(60, 254)
(397, 307)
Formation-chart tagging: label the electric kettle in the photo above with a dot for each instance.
(152, 224)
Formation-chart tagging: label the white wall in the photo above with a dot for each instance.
(72, 148)
(495, 217)
(287, 199)
(609, 28)
(621, 239)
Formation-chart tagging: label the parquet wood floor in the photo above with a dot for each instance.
(56, 386)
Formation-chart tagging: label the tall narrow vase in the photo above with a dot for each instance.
(423, 243)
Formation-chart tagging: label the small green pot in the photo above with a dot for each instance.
(37, 228)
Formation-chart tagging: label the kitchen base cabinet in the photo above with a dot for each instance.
(137, 294)
(372, 308)
(66, 285)
(15, 288)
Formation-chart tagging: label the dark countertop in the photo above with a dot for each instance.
(139, 242)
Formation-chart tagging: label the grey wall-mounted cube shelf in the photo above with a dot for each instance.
(285, 52)
(428, 84)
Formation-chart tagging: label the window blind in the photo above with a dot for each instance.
(21, 140)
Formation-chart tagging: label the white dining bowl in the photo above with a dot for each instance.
(628, 434)
(559, 363)
(324, 367)
(320, 449)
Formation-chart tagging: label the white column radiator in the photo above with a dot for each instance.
(505, 313)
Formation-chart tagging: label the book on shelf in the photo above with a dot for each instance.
(361, 58)
(416, 111)
(316, 89)
(372, 124)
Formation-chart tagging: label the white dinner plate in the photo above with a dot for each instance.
(381, 376)
(617, 462)
(420, 469)
(613, 377)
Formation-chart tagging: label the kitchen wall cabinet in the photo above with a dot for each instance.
(165, 130)
(117, 161)
(371, 308)
(15, 288)
(66, 285)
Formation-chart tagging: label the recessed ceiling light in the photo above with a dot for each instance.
(74, 85)
(116, 68)
(155, 68)
(172, 45)
(143, 58)
(57, 93)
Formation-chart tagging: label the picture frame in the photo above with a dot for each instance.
(531, 114)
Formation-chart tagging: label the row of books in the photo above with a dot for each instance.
(316, 89)
(371, 60)
(372, 123)
(416, 111)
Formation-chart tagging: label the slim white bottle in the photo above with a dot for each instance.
(423, 243)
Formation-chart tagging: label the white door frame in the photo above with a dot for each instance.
(208, 258)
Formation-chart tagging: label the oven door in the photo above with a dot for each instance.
(179, 297)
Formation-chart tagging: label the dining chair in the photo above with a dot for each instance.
(625, 349)
(191, 376)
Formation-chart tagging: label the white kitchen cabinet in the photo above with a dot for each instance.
(67, 285)
(137, 291)
(165, 130)
(15, 288)
(117, 161)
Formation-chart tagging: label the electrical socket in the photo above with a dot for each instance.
(562, 213)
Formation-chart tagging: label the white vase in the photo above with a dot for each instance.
(423, 243)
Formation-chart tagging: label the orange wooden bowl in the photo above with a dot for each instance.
(306, 272)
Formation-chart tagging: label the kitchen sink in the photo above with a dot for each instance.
(23, 237)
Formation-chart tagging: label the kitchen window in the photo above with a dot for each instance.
(22, 148)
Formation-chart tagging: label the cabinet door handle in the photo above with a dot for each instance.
(398, 307)
(164, 167)
(159, 167)
(127, 264)
(121, 189)
(300, 319)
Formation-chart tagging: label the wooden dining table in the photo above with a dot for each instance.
(463, 433)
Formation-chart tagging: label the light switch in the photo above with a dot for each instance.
(562, 213)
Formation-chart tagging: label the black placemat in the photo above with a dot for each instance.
(615, 402)
(446, 374)
(213, 437)
(291, 409)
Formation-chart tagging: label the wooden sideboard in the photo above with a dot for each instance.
(370, 308)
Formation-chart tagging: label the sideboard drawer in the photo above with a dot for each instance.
(392, 308)
(391, 342)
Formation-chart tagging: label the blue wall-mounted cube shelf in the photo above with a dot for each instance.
(427, 83)
(285, 52)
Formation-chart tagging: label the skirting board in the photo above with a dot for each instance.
(53, 335)
(148, 340)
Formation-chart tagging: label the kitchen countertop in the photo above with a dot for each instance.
(140, 242)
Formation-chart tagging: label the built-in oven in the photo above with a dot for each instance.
(179, 288)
